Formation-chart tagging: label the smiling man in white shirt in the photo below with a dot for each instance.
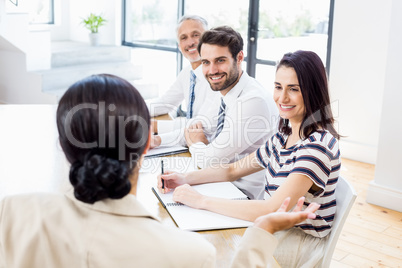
(249, 111)
(237, 122)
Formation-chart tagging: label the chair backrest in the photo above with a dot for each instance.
(345, 197)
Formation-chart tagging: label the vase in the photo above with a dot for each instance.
(94, 39)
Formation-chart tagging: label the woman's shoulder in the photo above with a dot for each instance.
(32, 198)
(322, 137)
(322, 142)
(278, 138)
(15, 206)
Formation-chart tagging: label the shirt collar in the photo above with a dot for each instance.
(198, 71)
(236, 91)
(126, 206)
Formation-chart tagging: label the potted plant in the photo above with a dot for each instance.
(92, 23)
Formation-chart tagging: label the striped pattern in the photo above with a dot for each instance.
(221, 118)
(318, 158)
(191, 95)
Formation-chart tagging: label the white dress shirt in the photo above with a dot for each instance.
(179, 91)
(250, 118)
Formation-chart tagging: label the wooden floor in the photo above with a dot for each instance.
(372, 235)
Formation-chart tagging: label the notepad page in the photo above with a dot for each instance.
(192, 219)
(217, 189)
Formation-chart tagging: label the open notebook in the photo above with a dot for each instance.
(191, 219)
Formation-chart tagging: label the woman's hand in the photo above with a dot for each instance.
(171, 180)
(186, 195)
(281, 220)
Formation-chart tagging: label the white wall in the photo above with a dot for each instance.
(14, 27)
(2, 14)
(386, 189)
(18, 86)
(364, 80)
(357, 74)
(60, 31)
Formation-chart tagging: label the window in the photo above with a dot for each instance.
(290, 25)
(40, 11)
(150, 27)
(151, 23)
(269, 28)
(287, 26)
(223, 12)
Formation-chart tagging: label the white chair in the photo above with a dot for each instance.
(345, 197)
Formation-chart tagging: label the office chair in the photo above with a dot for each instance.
(345, 197)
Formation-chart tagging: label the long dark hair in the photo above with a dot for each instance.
(313, 83)
(103, 126)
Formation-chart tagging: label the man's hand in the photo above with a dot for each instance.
(155, 141)
(154, 127)
(194, 134)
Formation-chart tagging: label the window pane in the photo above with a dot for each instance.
(265, 74)
(158, 71)
(40, 11)
(151, 22)
(233, 13)
(290, 25)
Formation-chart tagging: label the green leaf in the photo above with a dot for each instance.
(93, 22)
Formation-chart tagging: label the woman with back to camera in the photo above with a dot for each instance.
(302, 159)
(103, 126)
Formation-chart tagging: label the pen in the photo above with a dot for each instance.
(163, 181)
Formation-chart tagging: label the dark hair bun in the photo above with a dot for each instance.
(98, 178)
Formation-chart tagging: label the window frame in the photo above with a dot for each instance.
(251, 59)
(253, 18)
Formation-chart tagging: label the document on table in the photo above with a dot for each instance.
(187, 218)
(165, 150)
(165, 126)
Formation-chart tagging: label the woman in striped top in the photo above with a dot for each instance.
(302, 159)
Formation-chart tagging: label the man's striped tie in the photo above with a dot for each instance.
(221, 118)
(191, 96)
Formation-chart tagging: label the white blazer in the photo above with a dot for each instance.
(50, 230)
(54, 230)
